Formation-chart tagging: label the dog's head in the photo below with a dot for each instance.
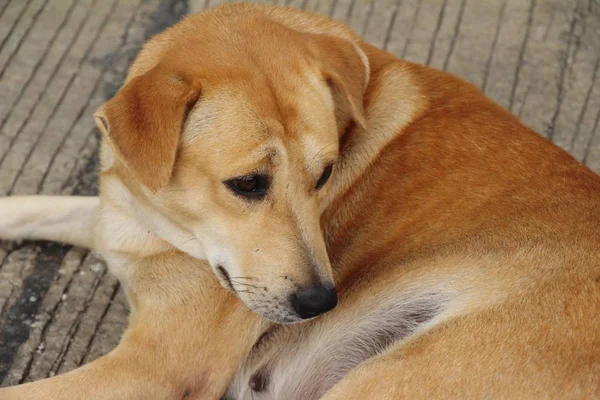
(230, 123)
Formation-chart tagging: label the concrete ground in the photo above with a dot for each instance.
(60, 59)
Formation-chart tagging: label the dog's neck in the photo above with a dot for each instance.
(434, 182)
(387, 116)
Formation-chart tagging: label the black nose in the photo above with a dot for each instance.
(315, 300)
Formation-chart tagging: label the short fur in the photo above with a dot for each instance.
(464, 247)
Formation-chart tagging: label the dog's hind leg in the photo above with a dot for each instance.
(68, 219)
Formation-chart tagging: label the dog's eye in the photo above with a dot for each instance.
(250, 186)
(324, 176)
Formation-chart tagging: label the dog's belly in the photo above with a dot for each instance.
(301, 362)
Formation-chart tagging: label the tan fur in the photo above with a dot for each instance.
(464, 247)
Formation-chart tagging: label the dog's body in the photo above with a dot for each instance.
(464, 247)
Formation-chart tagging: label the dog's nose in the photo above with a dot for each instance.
(315, 300)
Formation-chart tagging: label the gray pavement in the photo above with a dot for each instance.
(60, 59)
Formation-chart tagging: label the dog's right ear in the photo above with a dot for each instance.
(345, 67)
(143, 123)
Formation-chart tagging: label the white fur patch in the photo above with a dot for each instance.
(303, 362)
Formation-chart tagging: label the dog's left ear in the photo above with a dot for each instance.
(346, 69)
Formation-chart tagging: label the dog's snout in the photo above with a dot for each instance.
(315, 300)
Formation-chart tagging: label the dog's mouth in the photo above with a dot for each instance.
(224, 276)
(268, 308)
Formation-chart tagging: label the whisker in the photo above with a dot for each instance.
(186, 241)
(243, 291)
(247, 284)
(225, 283)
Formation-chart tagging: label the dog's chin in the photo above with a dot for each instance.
(284, 319)
(272, 311)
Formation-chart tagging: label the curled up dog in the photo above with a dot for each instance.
(263, 166)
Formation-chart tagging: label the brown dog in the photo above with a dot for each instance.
(289, 154)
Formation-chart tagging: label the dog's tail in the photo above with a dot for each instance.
(68, 219)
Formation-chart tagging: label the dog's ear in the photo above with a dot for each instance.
(143, 123)
(346, 69)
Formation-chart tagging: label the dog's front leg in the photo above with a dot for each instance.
(114, 376)
(186, 338)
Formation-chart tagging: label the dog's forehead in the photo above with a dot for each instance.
(256, 110)
(226, 114)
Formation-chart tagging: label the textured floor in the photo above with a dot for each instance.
(60, 59)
